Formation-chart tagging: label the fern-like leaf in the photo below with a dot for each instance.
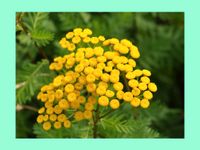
(41, 37)
(118, 126)
(34, 21)
(30, 79)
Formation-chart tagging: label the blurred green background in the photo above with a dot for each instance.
(159, 36)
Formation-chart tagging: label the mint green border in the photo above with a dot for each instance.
(7, 73)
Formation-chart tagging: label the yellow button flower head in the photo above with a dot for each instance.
(120, 94)
(69, 35)
(57, 125)
(135, 102)
(63, 104)
(71, 97)
(144, 103)
(103, 101)
(148, 95)
(114, 104)
(41, 110)
(89, 106)
(67, 124)
(128, 96)
(79, 115)
(152, 87)
(110, 93)
(53, 117)
(46, 125)
(40, 119)
(87, 114)
(95, 72)
(69, 88)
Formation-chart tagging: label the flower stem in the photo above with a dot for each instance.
(95, 121)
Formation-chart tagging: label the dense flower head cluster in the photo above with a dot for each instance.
(95, 72)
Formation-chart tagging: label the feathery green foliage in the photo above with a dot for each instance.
(30, 79)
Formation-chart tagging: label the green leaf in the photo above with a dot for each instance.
(117, 125)
(41, 37)
(30, 79)
(34, 21)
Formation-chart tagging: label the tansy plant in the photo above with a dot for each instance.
(96, 77)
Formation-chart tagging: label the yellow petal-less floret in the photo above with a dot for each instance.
(127, 96)
(103, 101)
(78, 115)
(87, 114)
(90, 78)
(144, 103)
(41, 110)
(63, 103)
(136, 91)
(67, 124)
(152, 87)
(46, 125)
(61, 118)
(69, 88)
(110, 93)
(53, 117)
(146, 72)
(57, 125)
(134, 52)
(142, 86)
(71, 97)
(120, 94)
(69, 35)
(40, 119)
(145, 80)
(114, 104)
(59, 94)
(118, 86)
(135, 102)
(91, 87)
(148, 95)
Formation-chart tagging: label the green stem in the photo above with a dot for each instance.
(125, 82)
(95, 122)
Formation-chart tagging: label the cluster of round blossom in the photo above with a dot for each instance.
(95, 72)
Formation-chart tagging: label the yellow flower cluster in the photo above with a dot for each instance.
(97, 71)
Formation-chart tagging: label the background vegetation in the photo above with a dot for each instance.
(160, 38)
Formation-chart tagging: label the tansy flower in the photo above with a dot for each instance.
(120, 94)
(95, 72)
(69, 88)
(103, 101)
(63, 103)
(148, 95)
(57, 125)
(46, 125)
(91, 87)
(89, 106)
(127, 96)
(135, 102)
(69, 35)
(40, 119)
(110, 93)
(144, 103)
(67, 124)
(152, 87)
(78, 115)
(114, 104)
(87, 114)
(53, 117)
(71, 97)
